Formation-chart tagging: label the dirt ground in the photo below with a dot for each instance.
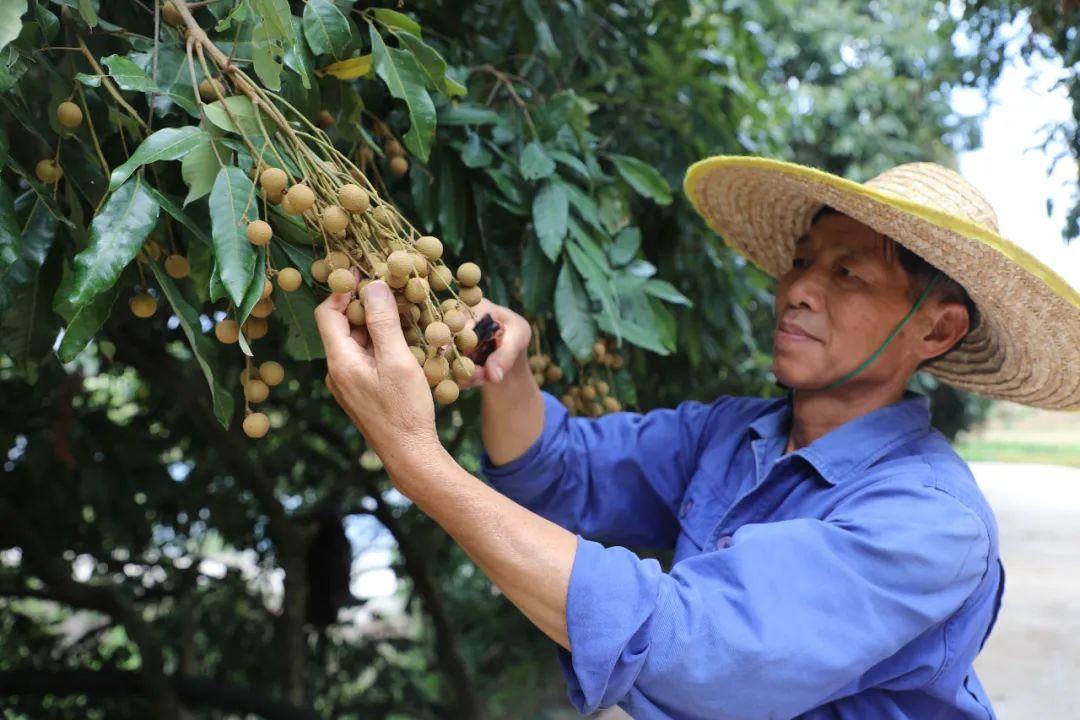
(1031, 664)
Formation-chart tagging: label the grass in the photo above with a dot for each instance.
(1020, 452)
(1016, 433)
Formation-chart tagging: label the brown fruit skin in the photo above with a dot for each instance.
(554, 373)
(171, 15)
(227, 332)
(256, 425)
(355, 313)
(245, 376)
(438, 334)
(342, 281)
(271, 373)
(320, 270)
(256, 391)
(471, 296)
(152, 249)
(353, 198)
(334, 219)
(263, 308)
(69, 114)
(436, 369)
(400, 263)
(420, 264)
(301, 198)
(289, 279)
(416, 290)
(382, 214)
(259, 232)
(612, 405)
(430, 247)
(538, 378)
(588, 392)
(468, 274)
(143, 306)
(537, 363)
(616, 362)
(177, 267)
(463, 368)
(466, 341)
(256, 328)
(413, 336)
(419, 354)
(449, 304)
(365, 156)
(440, 278)
(273, 180)
(398, 166)
(337, 259)
(48, 171)
(395, 281)
(601, 387)
(268, 287)
(393, 149)
(325, 119)
(455, 320)
(447, 392)
(210, 89)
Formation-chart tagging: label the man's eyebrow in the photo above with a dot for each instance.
(858, 252)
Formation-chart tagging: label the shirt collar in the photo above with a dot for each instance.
(845, 450)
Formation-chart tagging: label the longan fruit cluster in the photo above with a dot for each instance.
(544, 369)
(257, 386)
(592, 397)
(227, 331)
(606, 353)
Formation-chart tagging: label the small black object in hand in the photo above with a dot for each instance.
(487, 329)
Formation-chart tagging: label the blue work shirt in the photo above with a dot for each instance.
(856, 577)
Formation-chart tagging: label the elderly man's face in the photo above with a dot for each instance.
(847, 296)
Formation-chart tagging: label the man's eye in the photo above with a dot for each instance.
(847, 271)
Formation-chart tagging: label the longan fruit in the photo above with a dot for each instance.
(429, 246)
(440, 278)
(537, 363)
(403, 303)
(398, 166)
(569, 402)
(455, 320)
(342, 281)
(271, 372)
(274, 198)
(424, 317)
(268, 287)
(449, 304)
(256, 328)
(48, 171)
(436, 369)
(286, 204)
(227, 331)
(420, 264)
(301, 198)
(289, 279)
(400, 263)
(416, 315)
(553, 373)
(210, 89)
(256, 425)
(416, 290)
(259, 232)
(601, 387)
(256, 391)
(143, 305)
(69, 114)
(468, 274)
(612, 405)
(463, 368)
(588, 392)
(325, 119)
(355, 313)
(353, 198)
(337, 259)
(395, 281)
(393, 148)
(538, 378)
(419, 354)
(171, 15)
(320, 270)
(177, 266)
(382, 215)
(438, 334)
(245, 376)
(471, 295)
(380, 269)
(447, 392)
(616, 362)
(365, 155)
(334, 219)
(152, 249)
(413, 336)
(273, 180)
(263, 308)
(599, 350)
(466, 340)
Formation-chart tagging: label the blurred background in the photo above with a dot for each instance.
(145, 550)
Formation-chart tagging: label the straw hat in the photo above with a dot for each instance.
(1025, 349)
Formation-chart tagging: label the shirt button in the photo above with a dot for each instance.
(723, 543)
(686, 506)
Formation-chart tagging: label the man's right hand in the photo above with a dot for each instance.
(512, 343)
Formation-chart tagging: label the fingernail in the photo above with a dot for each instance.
(377, 290)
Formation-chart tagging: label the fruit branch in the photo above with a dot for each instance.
(107, 83)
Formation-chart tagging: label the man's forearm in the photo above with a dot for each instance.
(512, 414)
(528, 557)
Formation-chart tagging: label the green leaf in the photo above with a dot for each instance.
(232, 207)
(88, 12)
(187, 313)
(452, 202)
(298, 56)
(201, 257)
(242, 109)
(544, 36)
(576, 325)
(276, 15)
(128, 75)
(44, 193)
(326, 29)
(165, 144)
(170, 205)
(199, 168)
(267, 57)
(644, 178)
(666, 291)
(255, 289)
(626, 246)
(10, 239)
(474, 154)
(537, 279)
(117, 233)
(38, 232)
(297, 310)
(405, 80)
(28, 327)
(290, 254)
(10, 12)
(535, 163)
(467, 114)
(431, 62)
(85, 323)
(551, 211)
(396, 20)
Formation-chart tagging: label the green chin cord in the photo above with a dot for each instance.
(889, 339)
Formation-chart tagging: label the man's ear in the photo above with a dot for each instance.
(951, 323)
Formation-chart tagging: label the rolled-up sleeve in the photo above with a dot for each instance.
(618, 478)
(779, 622)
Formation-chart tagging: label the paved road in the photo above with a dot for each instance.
(1031, 664)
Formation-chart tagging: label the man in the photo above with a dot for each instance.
(834, 557)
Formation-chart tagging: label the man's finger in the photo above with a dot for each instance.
(514, 339)
(383, 323)
(334, 326)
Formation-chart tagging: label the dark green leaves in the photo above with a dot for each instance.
(535, 163)
(551, 209)
(127, 74)
(85, 322)
(326, 29)
(644, 178)
(165, 144)
(405, 80)
(537, 279)
(232, 207)
(10, 240)
(399, 21)
(576, 326)
(118, 231)
(38, 234)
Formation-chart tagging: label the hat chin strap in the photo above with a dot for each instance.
(872, 358)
